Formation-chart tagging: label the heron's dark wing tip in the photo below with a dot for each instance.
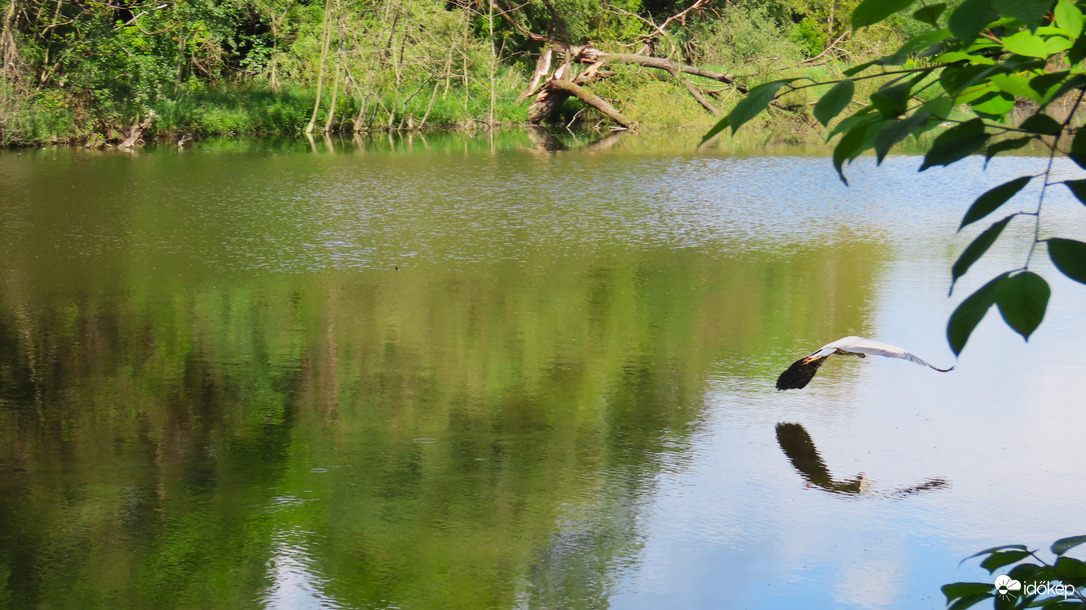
(797, 376)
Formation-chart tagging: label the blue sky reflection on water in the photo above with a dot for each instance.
(996, 429)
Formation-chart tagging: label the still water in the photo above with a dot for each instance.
(477, 372)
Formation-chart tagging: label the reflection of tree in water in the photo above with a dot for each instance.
(181, 418)
(544, 141)
(801, 450)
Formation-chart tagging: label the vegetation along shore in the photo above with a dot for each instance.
(83, 72)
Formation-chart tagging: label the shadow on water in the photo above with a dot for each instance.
(801, 451)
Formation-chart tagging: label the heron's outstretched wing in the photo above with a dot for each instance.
(870, 347)
(797, 376)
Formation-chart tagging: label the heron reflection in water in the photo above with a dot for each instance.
(801, 450)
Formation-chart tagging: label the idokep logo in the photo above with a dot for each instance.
(1007, 587)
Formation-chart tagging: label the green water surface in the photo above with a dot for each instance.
(442, 372)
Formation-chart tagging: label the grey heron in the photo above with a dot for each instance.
(800, 373)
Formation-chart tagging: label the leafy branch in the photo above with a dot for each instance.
(970, 69)
(1069, 572)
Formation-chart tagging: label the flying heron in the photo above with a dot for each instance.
(800, 373)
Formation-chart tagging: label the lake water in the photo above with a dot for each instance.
(477, 372)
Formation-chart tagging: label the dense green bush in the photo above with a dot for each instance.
(742, 33)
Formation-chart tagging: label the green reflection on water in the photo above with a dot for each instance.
(181, 427)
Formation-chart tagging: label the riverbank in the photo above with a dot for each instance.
(255, 110)
(75, 76)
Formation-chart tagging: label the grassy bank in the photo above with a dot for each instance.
(256, 109)
(652, 100)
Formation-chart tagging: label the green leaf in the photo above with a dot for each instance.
(854, 70)
(1068, 18)
(1042, 124)
(1078, 189)
(1026, 572)
(961, 324)
(1030, 12)
(953, 56)
(848, 148)
(861, 118)
(834, 101)
(1063, 545)
(958, 590)
(897, 131)
(892, 101)
(1015, 84)
(956, 143)
(720, 126)
(975, 591)
(930, 13)
(1056, 44)
(1022, 299)
(1026, 43)
(955, 79)
(1004, 146)
(1001, 547)
(976, 93)
(970, 19)
(754, 102)
(870, 12)
(976, 249)
(1078, 148)
(1002, 558)
(1069, 256)
(939, 107)
(1072, 571)
(995, 105)
(1048, 83)
(992, 199)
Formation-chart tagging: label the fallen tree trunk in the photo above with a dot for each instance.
(588, 54)
(548, 99)
(135, 133)
(542, 69)
(586, 96)
(559, 87)
(697, 95)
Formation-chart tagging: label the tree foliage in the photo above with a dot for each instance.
(973, 67)
(90, 66)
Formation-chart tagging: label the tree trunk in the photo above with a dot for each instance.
(586, 96)
(588, 54)
(320, 71)
(9, 54)
(542, 69)
(550, 98)
(135, 134)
